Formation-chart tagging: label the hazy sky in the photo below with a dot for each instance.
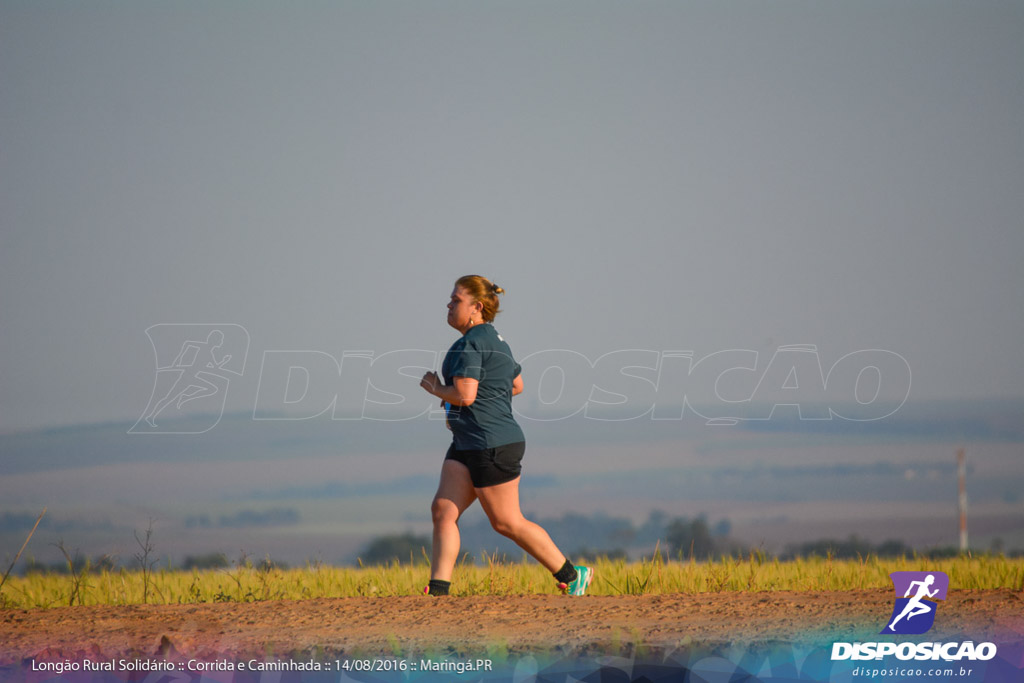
(651, 175)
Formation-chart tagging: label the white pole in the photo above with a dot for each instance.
(961, 468)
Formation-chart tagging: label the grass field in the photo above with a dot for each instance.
(249, 583)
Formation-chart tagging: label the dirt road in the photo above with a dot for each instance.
(407, 626)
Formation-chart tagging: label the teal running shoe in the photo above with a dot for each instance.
(584, 575)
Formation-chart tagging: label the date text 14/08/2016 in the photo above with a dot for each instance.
(444, 665)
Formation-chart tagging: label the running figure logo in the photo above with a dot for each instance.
(198, 373)
(914, 612)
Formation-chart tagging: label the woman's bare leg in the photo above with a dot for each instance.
(454, 494)
(501, 503)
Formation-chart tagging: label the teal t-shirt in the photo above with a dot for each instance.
(482, 354)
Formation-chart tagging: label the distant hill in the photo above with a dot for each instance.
(238, 437)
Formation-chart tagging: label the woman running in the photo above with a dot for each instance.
(483, 462)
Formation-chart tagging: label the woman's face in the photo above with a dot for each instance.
(462, 309)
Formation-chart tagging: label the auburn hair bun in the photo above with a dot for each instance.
(484, 291)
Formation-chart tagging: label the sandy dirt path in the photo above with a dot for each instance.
(464, 626)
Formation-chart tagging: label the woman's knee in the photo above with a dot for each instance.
(509, 526)
(444, 511)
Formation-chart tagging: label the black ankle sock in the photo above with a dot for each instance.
(438, 587)
(567, 574)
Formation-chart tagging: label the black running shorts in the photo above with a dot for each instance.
(491, 466)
